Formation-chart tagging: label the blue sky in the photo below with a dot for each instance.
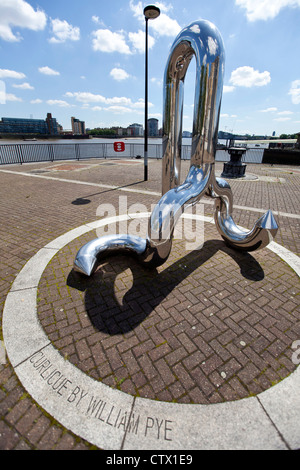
(86, 59)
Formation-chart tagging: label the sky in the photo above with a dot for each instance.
(87, 60)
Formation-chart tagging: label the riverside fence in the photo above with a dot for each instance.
(38, 152)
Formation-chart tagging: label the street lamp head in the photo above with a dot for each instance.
(151, 12)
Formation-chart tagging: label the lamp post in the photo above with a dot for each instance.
(150, 12)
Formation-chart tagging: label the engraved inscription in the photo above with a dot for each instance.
(97, 407)
(161, 428)
(48, 372)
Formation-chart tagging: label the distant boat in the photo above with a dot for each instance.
(30, 140)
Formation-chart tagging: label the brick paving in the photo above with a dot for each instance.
(208, 326)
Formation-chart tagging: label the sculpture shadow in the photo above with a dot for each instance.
(149, 288)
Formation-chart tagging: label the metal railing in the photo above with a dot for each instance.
(38, 152)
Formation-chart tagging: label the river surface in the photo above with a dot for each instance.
(132, 140)
(136, 140)
(96, 140)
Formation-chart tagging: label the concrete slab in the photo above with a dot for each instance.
(89, 408)
(289, 257)
(23, 334)
(30, 275)
(237, 425)
(60, 242)
(2, 353)
(282, 405)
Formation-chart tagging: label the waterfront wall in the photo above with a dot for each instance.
(281, 157)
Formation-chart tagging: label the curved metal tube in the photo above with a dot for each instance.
(201, 40)
(90, 254)
(262, 233)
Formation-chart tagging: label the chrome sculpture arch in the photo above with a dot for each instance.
(201, 40)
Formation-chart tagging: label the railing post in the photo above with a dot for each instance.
(77, 151)
(51, 152)
(20, 154)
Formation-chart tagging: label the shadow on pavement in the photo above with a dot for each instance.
(117, 311)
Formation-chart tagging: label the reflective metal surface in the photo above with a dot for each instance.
(263, 232)
(201, 40)
(92, 252)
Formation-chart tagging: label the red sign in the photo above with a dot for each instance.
(119, 146)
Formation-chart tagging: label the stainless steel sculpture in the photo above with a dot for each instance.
(201, 40)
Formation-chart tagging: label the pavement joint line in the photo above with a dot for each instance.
(268, 422)
(129, 420)
(141, 191)
(27, 358)
(279, 433)
(98, 185)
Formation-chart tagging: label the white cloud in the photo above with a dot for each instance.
(285, 113)
(155, 115)
(163, 7)
(116, 104)
(283, 119)
(122, 100)
(86, 97)
(61, 103)
(5, 73)
(48, 71)
(97, 20)
(265, 9)
(140, 104)
(163, 25)
(105, 40)
(63, 31)
(19, 13)
(2, 92)
(228, 88)
(137, 10)
(195, 28)
(138, 41)
(248, 77)
(24, 86)
(11, 97)
(157, 81)
(295, 92)
(118, 109)
(129, 107)
(228, 115)
(119, 74)
(37, 101)
(212, 45)
(268, 110)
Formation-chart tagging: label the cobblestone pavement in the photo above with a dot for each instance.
(209, 326)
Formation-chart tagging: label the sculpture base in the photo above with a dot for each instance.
(232, 170)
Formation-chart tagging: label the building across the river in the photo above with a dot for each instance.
(48, 126)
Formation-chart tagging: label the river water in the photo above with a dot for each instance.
(132, 140)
